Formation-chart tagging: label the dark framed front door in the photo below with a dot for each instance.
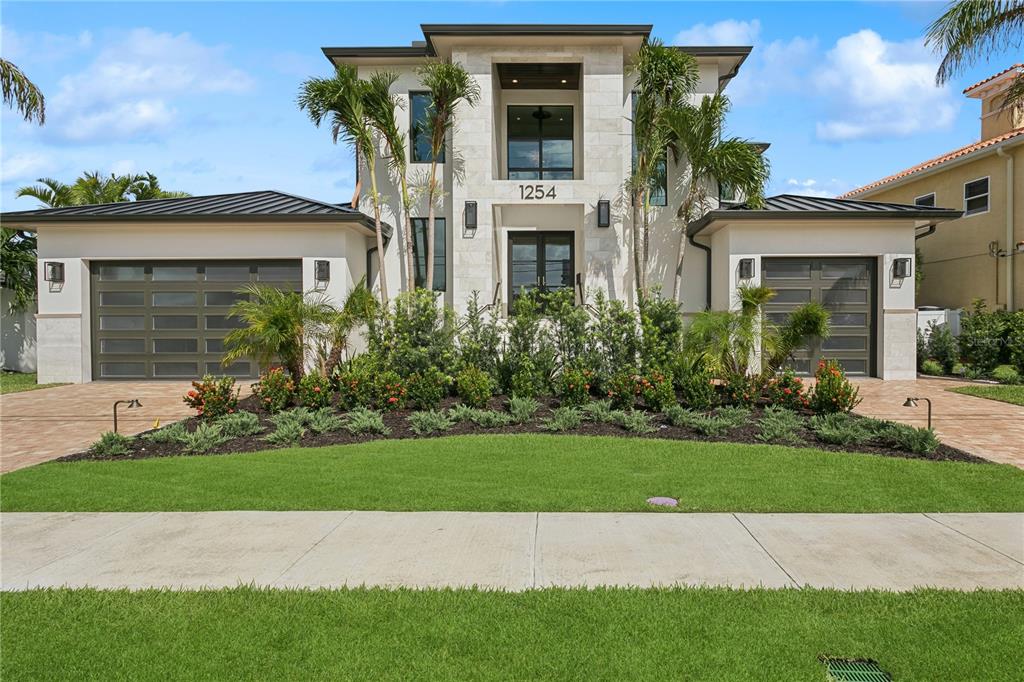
(540, 261)
(846, 287)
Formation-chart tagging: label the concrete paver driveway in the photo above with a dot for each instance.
(36, 426)
(986, 428)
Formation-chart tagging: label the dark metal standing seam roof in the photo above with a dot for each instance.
(266, 206)
(797, 206)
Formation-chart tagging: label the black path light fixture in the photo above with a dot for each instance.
(132, 404)
(912, 402)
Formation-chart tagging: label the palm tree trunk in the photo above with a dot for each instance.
(677, 281)
(646, 209)
(638, 265)
(428, 265)
(410, 264)
(382, 273)
(358, 190)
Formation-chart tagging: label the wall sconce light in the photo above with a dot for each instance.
(322, 271)
(469, 218)
(746, 268)
(53, 271)
(604, 213)
(901, 268)
(132, 404)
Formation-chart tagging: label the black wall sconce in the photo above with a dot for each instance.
(322, 271)
(469, 217)
(53, 271)
(901, 268)
(746, 268)
(604, 213)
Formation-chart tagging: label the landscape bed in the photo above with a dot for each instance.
(612, 634)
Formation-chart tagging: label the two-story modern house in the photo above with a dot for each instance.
(975, 256)
(533, 198)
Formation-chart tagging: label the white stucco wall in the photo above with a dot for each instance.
(64, 339)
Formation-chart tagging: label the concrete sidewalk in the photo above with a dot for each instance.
(510, 551)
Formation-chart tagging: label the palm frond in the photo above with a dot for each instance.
(21, 93)
(970, 29)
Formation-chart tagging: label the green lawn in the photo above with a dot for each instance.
(665, 634)
(1002, 393)
(16, 382)
(520, 473)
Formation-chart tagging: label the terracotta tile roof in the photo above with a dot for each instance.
(991, 78)
(955, 154)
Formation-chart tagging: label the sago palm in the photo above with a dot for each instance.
(697, 136)
(970, 30)
(342, 99)
(21, 94)
(449, 85)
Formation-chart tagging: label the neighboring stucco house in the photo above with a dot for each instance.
(981, 255)
(533, 197)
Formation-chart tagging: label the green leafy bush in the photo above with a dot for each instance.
(428, 388)
(274, 390)
(298, 415)
(909, 438)
(982, 337)
(942, 347)
(361, 420)
(696, 387)
(429, 421)
(563, 419)
(474, 386)
(212, 397)
(833, 392)
(740, 389)
(490, 419)
(779, 425)
(325, 420)
(706, 424)
(205, 438)
(314, 390)
(389, 391)
(636, 421)
(239, 424)
(842, 428)
(286, 433)
(529, 359)
(932, 368)
(356, 381)
(414, 333)
(111, 444)
(574, 386)
(787, 390)
(524, 382)
(612, 339)
(601, 412)
(479, 338)
(522, 409)
(657, 390)
(622, 389)
(661, 331)
(171, 433)
(460, 412)
(1015, 340)
(1006, 374)
(566, 329)
(734, 415)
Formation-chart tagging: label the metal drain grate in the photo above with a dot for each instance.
(847, 670)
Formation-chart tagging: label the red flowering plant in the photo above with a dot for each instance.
(315, 391)
(212, 397)
(574, 385)
(833, 392)
(787, 390)
(622, 389)
(274, 390)
(740, 389)
(389, 391)
(657, 390)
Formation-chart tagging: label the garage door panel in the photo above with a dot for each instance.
(168, 319)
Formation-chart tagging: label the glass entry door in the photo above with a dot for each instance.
(540, 261)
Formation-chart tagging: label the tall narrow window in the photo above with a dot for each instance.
(419, 132)
(659, 184)
(540, 143)
(976, 196)
(419, 248)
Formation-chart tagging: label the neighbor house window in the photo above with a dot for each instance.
(419, 248)
(659, 185)
(419, 108)
(726, 193)
(540, 143)
(976, 196)
(925, 200)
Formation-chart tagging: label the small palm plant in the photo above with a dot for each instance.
(449, 85)
(697, 136)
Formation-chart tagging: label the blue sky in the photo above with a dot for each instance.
(202, 94)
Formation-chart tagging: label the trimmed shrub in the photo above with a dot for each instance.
(932, 368)
(842, 428)
(286, 433)
(204, 439)
(212, 397)
(833, 392)
(355, 381)
(779, 425)
(982, 337)
(479, 338)
(622, 389)
(474, 386)
(697, 389)
(171, 433)
(239, 424)
(661, 331)
(490, 419)
(524, 382)
(740, 389)
(314, 391)
(787, 390)
(325, 420)
(920, 441)
(574, 386)
(388, 390)
(656, 390)
(361, 421)
(1006, 374)
(601, 412)
(706, 424)
(563, 419)
(461, 413)
(942, 348)
(522, 409)
(734, 416)
(428, 388)
(636, 421)
(429, 421)
(299, 415)
(274, 390)
(111, 444)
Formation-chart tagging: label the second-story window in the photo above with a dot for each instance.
(419, 132)
(540, 143)
(976, 197)
(419, 248)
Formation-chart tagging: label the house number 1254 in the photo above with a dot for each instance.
(536, 192)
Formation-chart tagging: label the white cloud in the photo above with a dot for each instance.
(811, 187)
(42, 46)
(726, 32)
(26, 166)
(125, 91)
(875, 89)
(781, 66)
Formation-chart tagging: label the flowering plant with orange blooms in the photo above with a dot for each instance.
(211, 397)
(787, 390)
(274, 390)
(574, 385)
(657, 390)
(315, 391)
(389, 391)
(622, 389)
(832, 392)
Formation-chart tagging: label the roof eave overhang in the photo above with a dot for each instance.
(719, 218)
(376, 55)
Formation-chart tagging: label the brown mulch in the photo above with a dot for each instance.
(397, 422)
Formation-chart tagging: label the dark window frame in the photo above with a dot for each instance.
(540, 169)
(986, 195)
(413, 156)
(539, 237)
(420, 224)
(929, 195)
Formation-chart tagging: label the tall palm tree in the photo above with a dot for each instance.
(381, 106)
(969, 30)
(665, 78)
(94, 188)
(147, 186)
(342, 98)
(18, 266)
(697, 136)
(449, 85)
(51, 193)
(21, 94)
